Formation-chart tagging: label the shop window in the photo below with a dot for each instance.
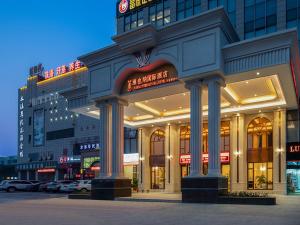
(225, 136)
(260, 154)
(293, 131)
(133, 20)
(260, 17)
(160, 13)
(187, 8)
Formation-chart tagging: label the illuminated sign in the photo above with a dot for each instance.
(131, 159)
(126, 6)
(89, 146)
(46, 171)
(142, 80)
(186, 158)
(293, 151)
(21, 126)
(71, 159)
(63, 69)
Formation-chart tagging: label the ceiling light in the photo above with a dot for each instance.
(180, 107)
(247, 82)
(258, 73)
(164, 98)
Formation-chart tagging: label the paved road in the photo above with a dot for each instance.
(48, 209)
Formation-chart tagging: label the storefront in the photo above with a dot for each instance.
(131, 162)
(293, 168)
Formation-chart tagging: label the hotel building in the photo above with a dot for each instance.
(207, 91)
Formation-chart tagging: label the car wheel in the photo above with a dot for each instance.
(84, 190)
(11, 189)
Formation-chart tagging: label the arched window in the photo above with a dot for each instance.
(158, 143)
(260, 154)
(157, 159)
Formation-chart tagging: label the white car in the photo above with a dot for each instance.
(66, 186)
(15, 185)
(82, 185)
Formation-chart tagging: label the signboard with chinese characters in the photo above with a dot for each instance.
(126, 6)
(38, 127)
(145, 79)
(63, 69)
(131, 159)
(21, 126)
(186, 158)
(293, 151)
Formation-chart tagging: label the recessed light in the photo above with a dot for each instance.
(179, 122)
(164, 98)
(247, 82)
(255, 95)
(146, 101)
(180, 107)
(152, 125)
(169, 124)
(88, 109)
(258, 73)
(184, 94)
(259, 111)
(165, 110)
(137, 114)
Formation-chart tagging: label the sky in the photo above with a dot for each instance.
(52, 32)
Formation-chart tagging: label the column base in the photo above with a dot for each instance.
(203, 189)
(109, 189)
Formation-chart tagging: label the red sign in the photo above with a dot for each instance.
(46, 171)
(63, 69)
(186, 158)
(95, 168)
(146, 79)
(123, 6)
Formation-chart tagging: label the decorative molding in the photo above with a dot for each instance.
(257, 60)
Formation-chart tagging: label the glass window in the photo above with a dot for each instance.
(130, 140)
(187, 8)
(292, 125)
(133, 20)
(229, 6)
(260, 17)
(160, 13)
(260, 154)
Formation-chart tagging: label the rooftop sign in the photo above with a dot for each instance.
(73, 66)
(126, 6)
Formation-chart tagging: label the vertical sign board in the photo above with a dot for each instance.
(38, 127)
(21, 125)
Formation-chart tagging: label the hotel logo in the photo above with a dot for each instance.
(123, 6)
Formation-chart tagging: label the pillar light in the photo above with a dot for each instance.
(279, 150)
(237, 153)
(142, 158)
(170, 157)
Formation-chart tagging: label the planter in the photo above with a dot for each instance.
(247, 200)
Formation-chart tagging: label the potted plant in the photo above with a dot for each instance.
(261, 180)
(135, 184)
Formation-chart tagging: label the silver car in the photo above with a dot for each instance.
(15, 185)
(81, 185)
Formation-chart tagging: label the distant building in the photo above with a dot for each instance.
(8, 167)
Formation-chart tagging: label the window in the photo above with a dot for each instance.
(160, 13)
(293, 14)
(133, 20)
(185, 134)
(229, 6)
(292, 126)
(260, 154)
(187, 8)
(225, 136)
(130, 136)
(260, 17)
(29, 121)
(29, 139)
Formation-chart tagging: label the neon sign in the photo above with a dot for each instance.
(73, 66)
(141, 80)
(293, 151)
(186, 158)
(125, 6)
(46, 171)
(21, 127)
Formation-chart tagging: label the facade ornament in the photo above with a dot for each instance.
(143, 58)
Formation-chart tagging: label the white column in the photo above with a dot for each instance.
(214, 114)
(117, 138)
(196, 128)
(104, 145)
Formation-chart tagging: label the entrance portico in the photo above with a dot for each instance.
(181, 82)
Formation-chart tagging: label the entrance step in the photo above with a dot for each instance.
(152, 197)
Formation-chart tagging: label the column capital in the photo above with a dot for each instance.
(110, 101)
(191, 83)
(218, 79)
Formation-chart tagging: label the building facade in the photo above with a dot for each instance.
(208, 92)
(8, 168)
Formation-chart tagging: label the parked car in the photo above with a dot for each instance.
(65, 186)
(81, 185)
(57, 186)
(15, 185)
(39, 186)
